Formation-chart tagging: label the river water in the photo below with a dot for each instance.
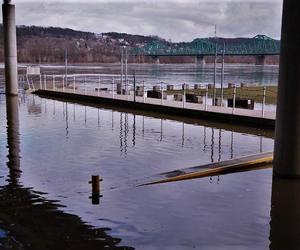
(182, 73)
(175, 74)
(58, 146)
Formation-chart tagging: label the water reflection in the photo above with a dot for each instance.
(259, 74)
(67, 121)
(213, 139)
(33, 107)
(13, 138)
(133, 131)
(285, 214)
(152, 145)
(32, 221)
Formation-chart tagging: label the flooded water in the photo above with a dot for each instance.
(50, 151)
(178, 74)
(175, 74)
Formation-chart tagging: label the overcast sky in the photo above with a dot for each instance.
(178, 20)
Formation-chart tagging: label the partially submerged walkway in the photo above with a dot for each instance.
(186, 109)
(246, 163)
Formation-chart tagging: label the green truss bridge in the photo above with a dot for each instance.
(259, 46)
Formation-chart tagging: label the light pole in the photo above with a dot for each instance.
(222, 78)
(215, 67)
(66, 66)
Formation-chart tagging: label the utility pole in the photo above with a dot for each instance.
(10, 48)
(215, 67)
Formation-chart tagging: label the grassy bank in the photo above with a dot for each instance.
(255, 92)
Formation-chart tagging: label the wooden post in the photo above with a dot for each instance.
(206, 97)
(74, 84)
(45, 82)
(95, 189)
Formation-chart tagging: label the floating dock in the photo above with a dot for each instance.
(197, 111)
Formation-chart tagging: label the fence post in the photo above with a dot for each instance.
(53, 82)
(45, 82)
(99, 82)
(113, 87)
(63, 83)
(183, 96)
(234, 97)
(134, 87)
(263, 101)
(74, 84)
(144, 91)
(162, 93)
(206, 97)
(127, 90)
(41, 82)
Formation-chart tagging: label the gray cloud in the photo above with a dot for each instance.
(179, 20)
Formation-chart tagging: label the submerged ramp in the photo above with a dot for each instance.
(251, 162)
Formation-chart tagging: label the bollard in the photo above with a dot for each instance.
(206, 97)
(95, 189)
(263, 101)
(234, 97)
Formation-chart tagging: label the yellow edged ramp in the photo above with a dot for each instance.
(251, 162)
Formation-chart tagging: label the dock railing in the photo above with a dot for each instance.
(241, 99)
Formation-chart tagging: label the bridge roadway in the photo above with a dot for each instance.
(247, 117)
(210, 54)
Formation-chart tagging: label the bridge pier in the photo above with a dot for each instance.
(10, 48)
(287, 133)
(260, 60)
(199, 60)
(156, 59)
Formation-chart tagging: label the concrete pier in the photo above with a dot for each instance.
(156, 59)
(285, 214)
(260, 60)
(13, 137)
(10, 48)
(199, 60)
(287, 138)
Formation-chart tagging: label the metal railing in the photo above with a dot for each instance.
(112, 87)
